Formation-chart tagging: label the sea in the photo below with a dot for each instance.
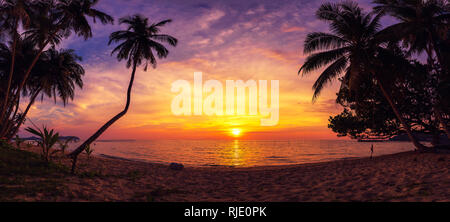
(242, 153)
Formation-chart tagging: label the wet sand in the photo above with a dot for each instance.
(406, 176)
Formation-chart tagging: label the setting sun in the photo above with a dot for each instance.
(236, 132)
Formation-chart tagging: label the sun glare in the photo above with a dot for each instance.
(236, 132)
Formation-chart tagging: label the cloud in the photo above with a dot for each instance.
(223, 39)
(286, 28)
(210, 17)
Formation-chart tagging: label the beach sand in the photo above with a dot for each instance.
(406, 176)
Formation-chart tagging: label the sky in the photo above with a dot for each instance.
(225, 40)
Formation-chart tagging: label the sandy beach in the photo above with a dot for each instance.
(406, 176)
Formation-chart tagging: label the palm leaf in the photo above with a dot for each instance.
(317, 60)
(330, 73)
(319, 41)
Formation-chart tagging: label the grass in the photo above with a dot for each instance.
(24, 174)
(91, 174)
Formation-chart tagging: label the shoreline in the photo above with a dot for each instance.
(258, 167)
(405, 176)
(112, 157)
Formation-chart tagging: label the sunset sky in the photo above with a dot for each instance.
(226, 40)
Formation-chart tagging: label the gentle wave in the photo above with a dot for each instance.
(242, 153)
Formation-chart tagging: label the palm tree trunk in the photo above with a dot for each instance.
(24, 80)
(22, 118)
(405, 125)
(434, 44)
(11, 123)
(11, 71)
(33, 63)
(7, 124)
(74, 154)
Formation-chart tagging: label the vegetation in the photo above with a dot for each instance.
(18, 141)
(137, 45)
(28, 70)
(17, 165)
(383, 88)
(64, 144)
(47, 140)
(28, 28)
(88, 151)
(423, 27)
(369, 115)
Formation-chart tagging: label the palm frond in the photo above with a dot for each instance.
(330, 73)
(319, 41)
(139, 41)
(317, 60)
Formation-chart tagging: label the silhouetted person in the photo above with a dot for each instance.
(371, 151)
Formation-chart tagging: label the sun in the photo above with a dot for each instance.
(236, 132)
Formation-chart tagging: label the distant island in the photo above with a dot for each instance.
(404, 138)
(33, 138)
(421, 137)
(109, 141)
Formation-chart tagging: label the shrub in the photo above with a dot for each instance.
(89, 150)
(18, 141)
(47, 140)
(64, 144)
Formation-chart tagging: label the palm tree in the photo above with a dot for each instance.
(56, 75)
(25, 50)
(137, 45)
(52, 21)
(53, 25)
(13, 13)
(351, 50)
(423, 27)
(74, 14)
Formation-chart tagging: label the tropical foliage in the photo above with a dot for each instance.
(47, 139)
(64, 144)
(369, 116)
(27, 69)
(372, 62)
(137, 44)
(88, 150)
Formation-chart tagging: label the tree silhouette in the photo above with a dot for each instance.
(137, 45)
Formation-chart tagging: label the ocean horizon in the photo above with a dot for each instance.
(242, 153)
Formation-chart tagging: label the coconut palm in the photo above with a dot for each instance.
(423, 26)
(137, 45)
(54, 24)
(13, 13)
(74, 14)
(350, 50)
(51, 21)
(56, 75)
(25, 51)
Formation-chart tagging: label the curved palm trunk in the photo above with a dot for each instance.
(7, 124)
(33, 63)
(25, 78)
(22, 118)
(405, 125)
(27, 73)
(11, 71)
(74, 154)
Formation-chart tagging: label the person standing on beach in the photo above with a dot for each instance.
(371, 151)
